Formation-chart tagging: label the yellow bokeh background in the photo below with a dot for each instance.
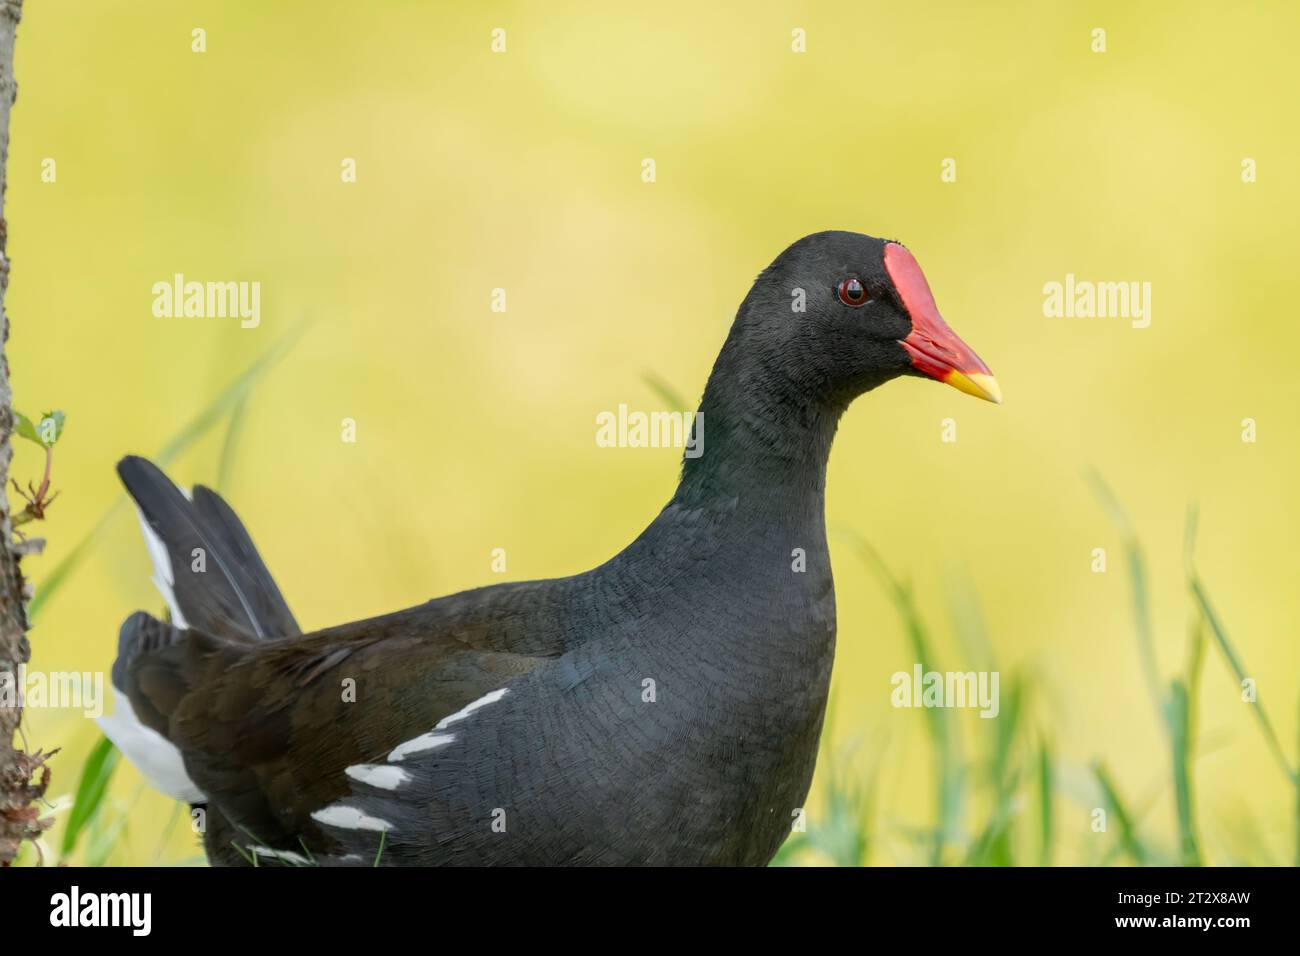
(522, 170)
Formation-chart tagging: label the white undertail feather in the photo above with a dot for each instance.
(163, 577)
(153, 755)
(157, 758)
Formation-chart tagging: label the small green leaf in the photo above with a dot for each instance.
(50, 428)
(24, 428)
(44, 432)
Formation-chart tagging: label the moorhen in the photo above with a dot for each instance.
(662, 708)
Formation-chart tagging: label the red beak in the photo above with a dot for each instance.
(935, 349)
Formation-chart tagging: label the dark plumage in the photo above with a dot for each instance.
(518, 723)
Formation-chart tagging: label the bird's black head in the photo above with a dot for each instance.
(839, 313)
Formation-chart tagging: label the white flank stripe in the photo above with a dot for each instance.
(378, 775)
(349, 818)
(286, 856)
(433, 739)
(468, 709)
(419, 744)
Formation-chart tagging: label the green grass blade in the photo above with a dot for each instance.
(91, 790)
(1233, 660)
(1045, 787)
(940, 725)
(108, 829)
(993, 847)
(1110, 504)
(1136, 562)
(233, 394)
(229, 444)
(1189, 538)
(968, 622)
(249, 857)
(793, 848)
(51, 582)
(1201, 598)
(841, 830)
(1007, 725)
(865, 816)
(1127, 832)
(666, 393)
(1180, 724)
(938, 721)
(1195, 665)
(177, 809)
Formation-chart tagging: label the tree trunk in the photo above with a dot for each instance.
(19, 810)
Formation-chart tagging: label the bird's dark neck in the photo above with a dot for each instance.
(737, 561)
(764, 445)
(748, 515)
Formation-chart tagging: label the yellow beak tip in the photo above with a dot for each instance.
(981, 386)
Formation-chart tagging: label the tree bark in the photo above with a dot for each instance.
(19, 811)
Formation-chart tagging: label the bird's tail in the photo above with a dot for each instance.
(137, 727)
(205, 565)
(216, 587)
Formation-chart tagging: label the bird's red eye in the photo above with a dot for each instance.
(853, 292)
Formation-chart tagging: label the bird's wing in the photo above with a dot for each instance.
(269, 729)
